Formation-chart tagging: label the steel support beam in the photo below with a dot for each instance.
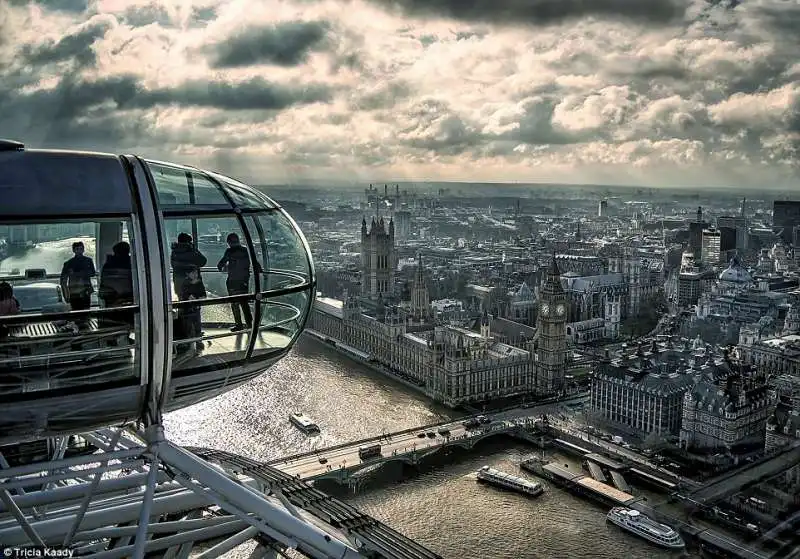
(52, 530)
(262, 552)
(29, 530)
(27, 481)
(73, 494)
(230, 544)
(159, 528)
(117, 517)
(147, 505)
(203, 534)
(311, 536)
(92, 488)
(28, 469)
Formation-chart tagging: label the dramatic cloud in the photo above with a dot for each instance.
(76, 45)
(652, 92)
(285, 44)
(542, 11)
(90, 113)
(73, 6)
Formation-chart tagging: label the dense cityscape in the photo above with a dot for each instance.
(678, 322)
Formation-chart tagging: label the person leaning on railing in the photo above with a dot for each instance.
(236, 261)
(187, 262)
(189, 316)
(76, 279)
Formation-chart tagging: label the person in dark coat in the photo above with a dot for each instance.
(236, 261)
(186, 275)
(189, 317)
(185, 258)
(116, 282)
(76, 283)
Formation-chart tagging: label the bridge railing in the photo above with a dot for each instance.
(378, 460)
(360, 442)
(461, 419)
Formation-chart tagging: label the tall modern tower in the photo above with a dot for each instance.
(785, 217)
(378, 260)
(602, 208)
(696, 235)
(551, 352)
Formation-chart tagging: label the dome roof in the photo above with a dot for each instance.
(735, 272)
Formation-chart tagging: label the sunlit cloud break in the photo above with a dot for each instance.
(662, 92)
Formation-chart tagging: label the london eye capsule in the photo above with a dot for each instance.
(131, 287)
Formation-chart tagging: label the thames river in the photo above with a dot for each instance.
(442, 506)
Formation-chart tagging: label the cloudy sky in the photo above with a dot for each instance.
(651, 92)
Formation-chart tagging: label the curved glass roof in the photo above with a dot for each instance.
(62, 184)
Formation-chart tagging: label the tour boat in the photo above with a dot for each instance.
(508, 481)
(645, 527)
(303, 422)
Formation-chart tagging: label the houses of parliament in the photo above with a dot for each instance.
(455, 363)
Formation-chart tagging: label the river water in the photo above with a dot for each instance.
(442, 506)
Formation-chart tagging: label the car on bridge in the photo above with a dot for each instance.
(471, 423)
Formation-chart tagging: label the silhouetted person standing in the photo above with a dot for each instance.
(116, 281)
(236, 261)
(185, 259)
(189, 316)
(186, 275)
(76, 279)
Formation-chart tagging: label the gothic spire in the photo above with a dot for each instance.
(553, 269)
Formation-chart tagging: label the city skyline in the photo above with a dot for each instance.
(677, 93)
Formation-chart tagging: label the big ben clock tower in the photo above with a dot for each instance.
(551, 352)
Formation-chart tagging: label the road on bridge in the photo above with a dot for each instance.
(311, 465)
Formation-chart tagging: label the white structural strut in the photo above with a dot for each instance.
(151, 498)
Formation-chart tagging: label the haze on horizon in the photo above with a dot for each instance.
(610, 92)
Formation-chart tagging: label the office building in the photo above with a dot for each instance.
(785, 217)
(711, 247)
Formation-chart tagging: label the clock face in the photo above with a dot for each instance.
(545, 309)
(560, 310)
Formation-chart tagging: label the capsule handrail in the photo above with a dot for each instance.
(260, 328)
(266, 297)
(64, 355)
(28, 318)
(24, 317)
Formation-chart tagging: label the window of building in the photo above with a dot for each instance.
(213, 314)
(177, 186)
(69, 304)
(242, 196)
(213, 288)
